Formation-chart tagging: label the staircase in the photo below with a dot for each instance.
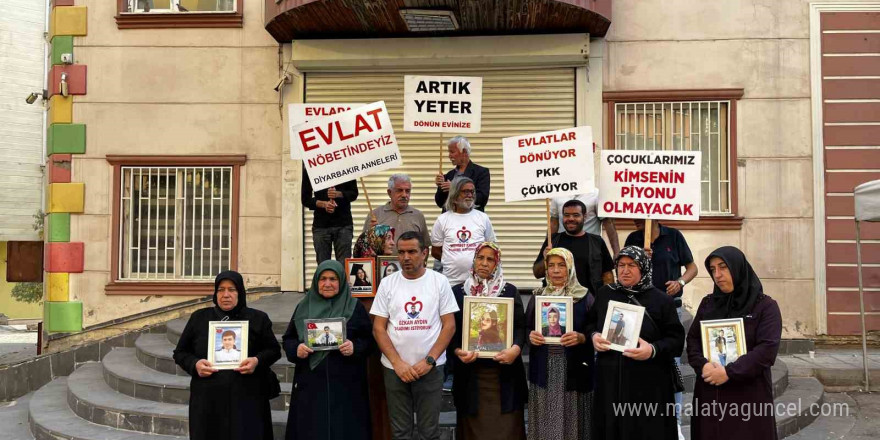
(138, 393)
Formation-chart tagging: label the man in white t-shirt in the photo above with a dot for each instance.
(459, 230)
(592, 223)
(414, 322)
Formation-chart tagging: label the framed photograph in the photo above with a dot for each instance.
(361, 276)
(325, 334)
(387, 265)
(227, 343)
(552, 317)
(623, 323)
(488, 325)
(724, 340)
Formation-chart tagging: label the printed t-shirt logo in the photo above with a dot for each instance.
(463, 235)
(413, 308)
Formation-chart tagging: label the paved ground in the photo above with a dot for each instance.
(16, 342)
(840, 369)
(867, 424)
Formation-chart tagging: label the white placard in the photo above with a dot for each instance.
(442, 104)
(549, 164)
(347, 145)
(298, 114)
(658, 185)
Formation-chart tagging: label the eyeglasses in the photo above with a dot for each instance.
(629, 266)
(468, 192)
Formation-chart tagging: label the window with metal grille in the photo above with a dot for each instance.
(684, 125)
(176, 223)
(146, 6)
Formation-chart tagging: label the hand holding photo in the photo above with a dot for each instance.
(623, 323)
(325, 334)
(227, 343)
(723, 340)
(488, 325)
(552, 317)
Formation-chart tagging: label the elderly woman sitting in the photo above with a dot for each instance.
(561, 376)
(639, 375)
(329, 399)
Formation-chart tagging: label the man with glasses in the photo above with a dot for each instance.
(459, 230)
(592, 261)
(460, 155)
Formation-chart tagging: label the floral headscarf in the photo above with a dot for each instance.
(641, 258)
(371, 243)
(492, 286)
(572, 287)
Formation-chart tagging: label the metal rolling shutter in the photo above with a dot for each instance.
(515, 102)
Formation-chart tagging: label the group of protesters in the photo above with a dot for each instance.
(401, 345)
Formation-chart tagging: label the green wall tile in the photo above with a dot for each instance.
(61, 44)
(59, 227)
(67, 139)
(63, 316)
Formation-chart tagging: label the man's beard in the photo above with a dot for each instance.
(465, 204)
(578, 228)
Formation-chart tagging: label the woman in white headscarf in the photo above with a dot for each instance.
(489, 394)
(561, 376)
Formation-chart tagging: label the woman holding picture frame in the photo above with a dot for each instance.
(229, 403)
(489, 392)
(329, 398)
(560, 373)
(737, 293)
(643, 375)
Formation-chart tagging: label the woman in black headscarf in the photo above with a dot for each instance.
(640, 376)
(329, 399)
(229, 404)
(746, 381)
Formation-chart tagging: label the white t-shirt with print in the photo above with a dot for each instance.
(592, 222)
(459, 235)
(413, 309)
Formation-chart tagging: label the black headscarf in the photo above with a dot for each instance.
(236, 279)
(747, 288)
(639, 256)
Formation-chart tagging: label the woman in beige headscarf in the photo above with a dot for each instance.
(561, 376)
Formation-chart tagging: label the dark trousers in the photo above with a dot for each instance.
(422, 397)
(327, 239)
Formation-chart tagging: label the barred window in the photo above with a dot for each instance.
(176, 223)
(147, 6)
(683, 126)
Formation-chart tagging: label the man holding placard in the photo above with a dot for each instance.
(332, 225)
(592, 222)
(459, 149)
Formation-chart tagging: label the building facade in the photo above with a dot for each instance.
(184, 168)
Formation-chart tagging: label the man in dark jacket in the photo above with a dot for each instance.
(460, 156)
(332, 226)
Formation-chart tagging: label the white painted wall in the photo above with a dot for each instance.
(22, 57)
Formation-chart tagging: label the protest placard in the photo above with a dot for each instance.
(549, 164)
(656, 185)
(298, 114)
(347, 145)
(438, 104)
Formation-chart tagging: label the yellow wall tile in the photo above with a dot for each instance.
(61, 109)
(66, 197)
(68, 20)
(59, 286)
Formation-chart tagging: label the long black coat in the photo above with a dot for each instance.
(331, 401)
(622, 380)
(749, 376)
(512, 378)
(227, 404)
(579, 358)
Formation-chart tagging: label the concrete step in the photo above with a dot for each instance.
(835, 424)
(51, 418)
(806, 394)
(14, 419)
(92, 399)
(155, 351)
(175, 328)
(124, 373)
